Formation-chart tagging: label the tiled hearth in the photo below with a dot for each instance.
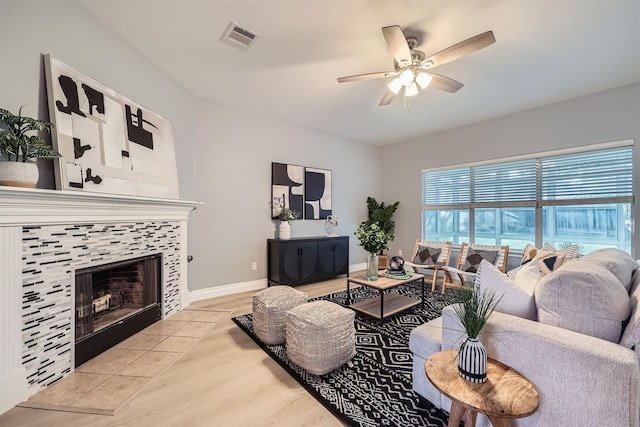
(44, 237)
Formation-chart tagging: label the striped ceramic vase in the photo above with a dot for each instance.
(472, 361)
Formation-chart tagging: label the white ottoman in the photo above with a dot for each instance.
(320, 336)
(270, 307)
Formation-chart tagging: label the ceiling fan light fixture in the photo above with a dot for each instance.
(406, 77)
(423, 79)
(395, 85)
(411, 90)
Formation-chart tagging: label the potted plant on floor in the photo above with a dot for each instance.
(473, 312)
(382, 215)
(19, 149)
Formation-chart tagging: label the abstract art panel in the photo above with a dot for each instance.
(287, 182)
(317, 196)
(109, 143)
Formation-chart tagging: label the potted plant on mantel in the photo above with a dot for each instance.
(19, 150)
(473, 312)
(382, 215)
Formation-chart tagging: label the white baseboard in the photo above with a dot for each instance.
(218, 291)
(234, 288)
(13, 389)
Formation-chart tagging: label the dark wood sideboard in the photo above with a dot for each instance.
(306, 259)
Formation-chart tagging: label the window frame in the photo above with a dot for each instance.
(537, 202)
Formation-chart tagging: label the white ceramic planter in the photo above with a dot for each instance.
(19, 174)
(284, 230)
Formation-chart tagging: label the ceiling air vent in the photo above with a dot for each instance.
(238, 37)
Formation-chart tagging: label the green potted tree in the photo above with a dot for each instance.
(382, 215)
(19, 149)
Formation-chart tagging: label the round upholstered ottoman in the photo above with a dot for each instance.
(320, 336)
(270, 307)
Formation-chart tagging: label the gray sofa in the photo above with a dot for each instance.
(584, 376)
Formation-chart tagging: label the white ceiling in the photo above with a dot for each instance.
(545, 52)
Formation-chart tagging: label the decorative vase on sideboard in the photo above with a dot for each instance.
(284, 230)
(372, 266)
(19, 174)
(472, 361)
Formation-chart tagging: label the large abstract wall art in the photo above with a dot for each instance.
(317, 194)
(287, 184)
(109, 143)
(306, 190)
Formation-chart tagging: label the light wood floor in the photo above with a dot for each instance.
(224, 380)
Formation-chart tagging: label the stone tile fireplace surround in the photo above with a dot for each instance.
(45, 236)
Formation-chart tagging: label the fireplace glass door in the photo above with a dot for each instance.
(115, 301)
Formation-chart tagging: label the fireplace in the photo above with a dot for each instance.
(114, 301)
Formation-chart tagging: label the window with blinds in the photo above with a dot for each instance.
(577, 197)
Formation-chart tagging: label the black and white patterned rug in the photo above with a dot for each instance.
(374, 388)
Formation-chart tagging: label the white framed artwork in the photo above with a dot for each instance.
(109, 143)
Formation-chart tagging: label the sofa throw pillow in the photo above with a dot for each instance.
(427, 255)
(617, 261)
(585, 298)
(531, 252)
(570, 252)
(516, 296)
(475, 256)
(631, 335)
(550, 263)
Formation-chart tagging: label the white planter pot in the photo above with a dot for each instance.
(19, 174)
(284, 230)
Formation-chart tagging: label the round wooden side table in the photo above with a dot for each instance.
(505, 395)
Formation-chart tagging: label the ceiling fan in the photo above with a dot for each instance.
(412, 67)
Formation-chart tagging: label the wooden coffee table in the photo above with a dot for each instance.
(505, 395)
(384, 305)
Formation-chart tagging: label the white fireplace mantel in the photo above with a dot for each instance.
(21, 207)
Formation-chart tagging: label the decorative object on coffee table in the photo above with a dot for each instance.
(320, 336)
(270, 307)
(373, 239)
(474, 310)
(19, 150)
(505, 396)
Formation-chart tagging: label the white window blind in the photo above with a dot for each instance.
(602, 174)
(583, 177)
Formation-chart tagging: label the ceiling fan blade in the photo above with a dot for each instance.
(367, 76)
(397, 43)
(461, 49)
(388, 98)
(444, 83)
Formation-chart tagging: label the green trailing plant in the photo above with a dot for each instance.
(15, 142)
(474, 310)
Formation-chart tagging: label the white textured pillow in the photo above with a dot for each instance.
(517, 295)
(631, 335)
(620, 263)
(583, 297)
